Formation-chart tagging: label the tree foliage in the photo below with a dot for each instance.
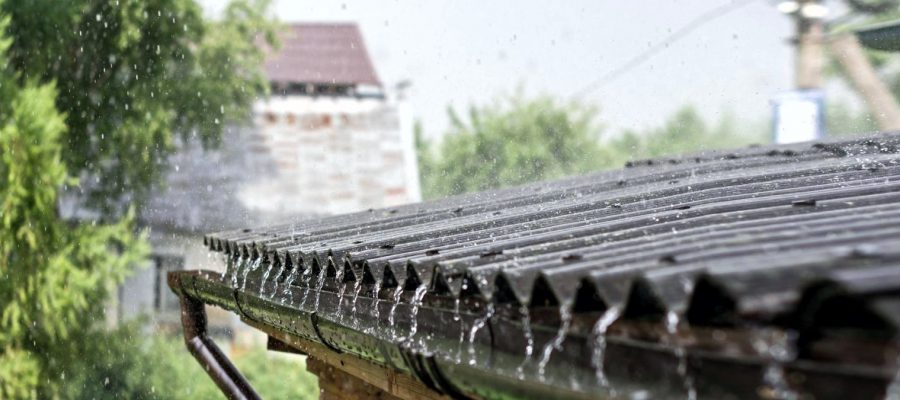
(685, 132)
(54, 272)
(133, 73)
(513, 141)
(92, 95)
(126, 363)
(519, 140)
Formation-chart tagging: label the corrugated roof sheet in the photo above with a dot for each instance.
(786, 257)
(321, 53)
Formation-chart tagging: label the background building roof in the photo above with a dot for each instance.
(321, 53)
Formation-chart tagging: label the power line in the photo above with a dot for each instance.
(639, 59)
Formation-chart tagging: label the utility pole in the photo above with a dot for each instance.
(810, 47)
(799, 114)
(871, 88)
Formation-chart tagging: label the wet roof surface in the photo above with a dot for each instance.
(795, 247)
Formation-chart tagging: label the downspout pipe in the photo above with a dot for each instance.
(216, 364)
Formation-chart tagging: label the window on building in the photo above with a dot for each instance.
(163, 298)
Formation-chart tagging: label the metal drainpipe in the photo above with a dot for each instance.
(217, 366)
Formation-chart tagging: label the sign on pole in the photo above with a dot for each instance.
(798, 116)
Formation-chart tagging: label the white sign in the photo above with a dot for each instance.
(798, 116)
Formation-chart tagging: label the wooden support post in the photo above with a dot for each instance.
(335, 384)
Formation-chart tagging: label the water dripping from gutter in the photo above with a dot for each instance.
(893, 389)
(462, 330)
(416, 302)
(529, 341)
(278, 274)
(687, 381)
(340, 315)
(287, 292)
(254, 265)
(354, 320)
(476, 326)
(599, 344)
(565, 315)
(262, 285)
(229, 266)
(777, 349)
(306, 279)
(319, 284)
(393, 328)
(235, 272)
(377, 311)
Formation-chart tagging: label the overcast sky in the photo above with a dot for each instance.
(463, 52)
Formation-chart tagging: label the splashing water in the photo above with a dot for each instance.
(357, 287)
(777, 349)
(254, 265)
(262, 285)
(341, 290)
(672, 321)
(286, 291)
(565, 316)
(235, 272)
(416, 302)
(319, 284)
(278, 274)
(599, 353)
(306, 279)
(476, 326)
(397, 292)
(229, 266)
(376, 314)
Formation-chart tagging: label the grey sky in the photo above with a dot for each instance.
(462, 52)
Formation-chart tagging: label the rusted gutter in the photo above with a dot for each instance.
(216, 364)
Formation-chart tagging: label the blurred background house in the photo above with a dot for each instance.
(331, 138)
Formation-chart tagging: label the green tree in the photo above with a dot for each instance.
(131, 75)
(686, 132)
(520, 140)
(54, 272)
(92, 96)
(128, 364)
(512, 141)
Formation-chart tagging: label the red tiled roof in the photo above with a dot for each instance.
(330, 53)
